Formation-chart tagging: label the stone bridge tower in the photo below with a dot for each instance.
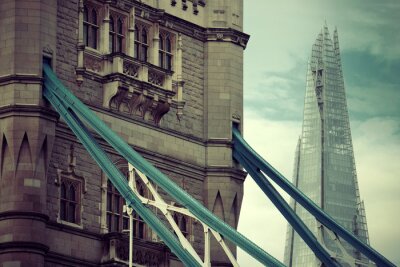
(165, 75)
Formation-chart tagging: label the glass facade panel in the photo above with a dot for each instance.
(325, 167)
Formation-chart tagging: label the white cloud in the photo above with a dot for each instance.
(282, 33)
(276, 142)
(377, 153)
(376, 145)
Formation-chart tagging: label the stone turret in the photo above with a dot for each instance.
(27, 129)
(166, 75)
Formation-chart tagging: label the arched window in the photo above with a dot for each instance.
(136, 42)
(94, 29)
(86, 26)
(63, 202)
(120, 36)
(182, 222)
(70, 201)
(138, 223)
(141, 43)
(165, 52)
(111, 41)
(161, 52)
(90, 27)
(117, 220)
(168, 54)
(72, 204)
(183, 226)
(116, 36)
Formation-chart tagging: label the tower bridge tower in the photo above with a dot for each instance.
(165, 75)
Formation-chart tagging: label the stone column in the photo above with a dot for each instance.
(131, 33)
(105, 36)
(224, 107)
(154, 46)
(81, 44)
(27, 129)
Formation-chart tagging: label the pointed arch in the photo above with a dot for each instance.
(6, 160)
(94, 17)
(41, 161)
(218, 207)
(233, 214)
(24, 158)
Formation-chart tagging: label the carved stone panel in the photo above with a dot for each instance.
(145, 253)
(93, 63)
(144, 104)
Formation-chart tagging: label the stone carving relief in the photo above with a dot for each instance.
(195, 4)
(117, 250)
(131, 69)
(140, 104)
(156, 78)
(93, 64)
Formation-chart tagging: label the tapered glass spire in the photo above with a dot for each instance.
(325, 168)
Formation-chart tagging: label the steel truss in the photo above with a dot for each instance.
(72, 110)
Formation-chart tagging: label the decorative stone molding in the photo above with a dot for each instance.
(131, 69)
(93, 63)
(195, 4)
(70, 172)
(156, 78)
(145, 253)
(227, 35)
(149, 103)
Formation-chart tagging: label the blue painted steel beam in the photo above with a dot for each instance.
(243, 148)
(181, 196)
(117, 178)
(286, 211)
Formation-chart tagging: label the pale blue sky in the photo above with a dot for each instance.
(282, 33)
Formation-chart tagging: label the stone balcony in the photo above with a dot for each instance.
(145, 253)
(133, 87)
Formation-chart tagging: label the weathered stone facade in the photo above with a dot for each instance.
(178, 116)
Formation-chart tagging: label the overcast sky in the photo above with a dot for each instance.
(282, 33)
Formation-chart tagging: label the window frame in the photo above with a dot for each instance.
(91, 27)
(117, 33)
(139, 226)
(184, 224)
(166, 50)
(114, 214)
(141, 45)
(68, 180)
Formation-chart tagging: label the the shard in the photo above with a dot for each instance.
(324, 162)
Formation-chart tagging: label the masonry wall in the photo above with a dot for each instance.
(194, 151)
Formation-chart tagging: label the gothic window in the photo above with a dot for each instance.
(183, 223)
(117, 220)
(111, 45)
(90, 27)
(139, 229)
(141, 42)
(165, 52)
(120, 35)
(70, 200)
(116, 35)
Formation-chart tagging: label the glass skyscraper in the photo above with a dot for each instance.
(324, 166)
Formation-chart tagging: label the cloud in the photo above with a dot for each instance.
(275, 64)
(276, 142)
(277, 95)
(377, 154)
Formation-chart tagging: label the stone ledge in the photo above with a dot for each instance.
(20, 78)
(22, 110)
(12, 215)
(23, 246)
